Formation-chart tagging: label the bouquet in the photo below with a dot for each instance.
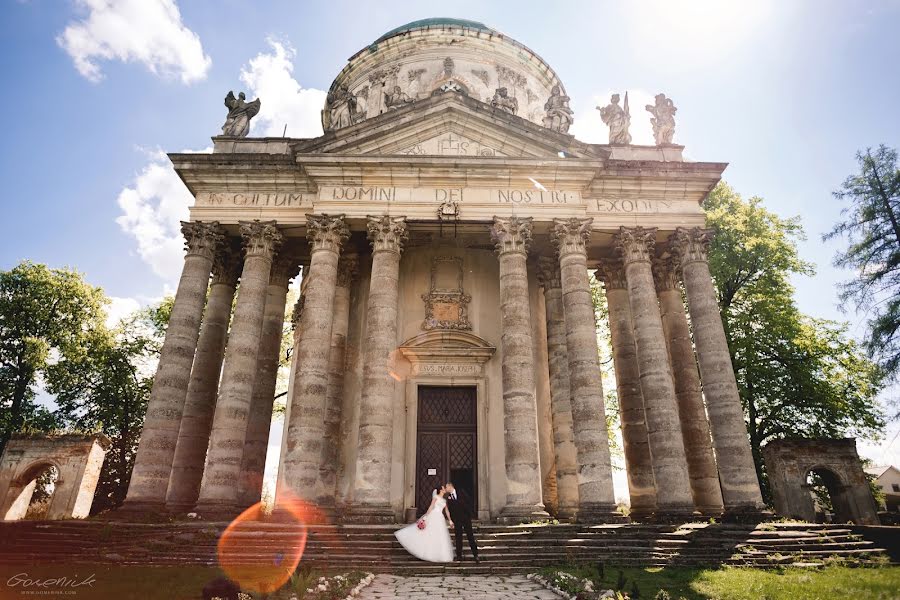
(420, 523)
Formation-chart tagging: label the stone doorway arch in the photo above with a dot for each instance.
(77, 460)
(789, 463)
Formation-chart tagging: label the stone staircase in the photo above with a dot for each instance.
(503, 549)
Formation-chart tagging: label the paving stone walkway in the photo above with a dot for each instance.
(471, 587)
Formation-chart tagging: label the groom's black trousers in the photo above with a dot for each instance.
(458, 530)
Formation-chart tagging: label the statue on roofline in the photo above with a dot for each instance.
(559, 116)
(663, 120)
(618, 119)
(504, 101)
(237, 123)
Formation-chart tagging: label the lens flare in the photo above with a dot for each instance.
(260, 553)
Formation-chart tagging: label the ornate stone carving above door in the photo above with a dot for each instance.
(446, 304)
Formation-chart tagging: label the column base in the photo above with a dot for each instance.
(516, 515)
(599, 513)
(671, 515)
(180, 508)
(218, 511)
(369, 514)
(710, 512)
(642, 514)
(746, 514)
(140, 511)
(567, 514)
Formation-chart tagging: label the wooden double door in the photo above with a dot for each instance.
(446, 439)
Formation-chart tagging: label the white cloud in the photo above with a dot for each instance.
(269, 76)
(153, 207)
(589, 127)
(145, 31)
(119, 308)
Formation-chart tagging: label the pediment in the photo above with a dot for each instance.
(447, 125)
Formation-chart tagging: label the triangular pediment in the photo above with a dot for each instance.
(448, 125)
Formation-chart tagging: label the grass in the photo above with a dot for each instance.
(740, 583)
(185, 582)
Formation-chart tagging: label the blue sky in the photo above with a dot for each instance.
(784, 92)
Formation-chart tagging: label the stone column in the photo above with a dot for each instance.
(595, 488)
(512, 236)
(219, 488)
(156, 450)
(561, 405)
(193, 436)
(635, 440)
(673, 490)
(737, 474)
(701, 461)
(334, 397)
(259, 421)
(326, 235)
(371, 487)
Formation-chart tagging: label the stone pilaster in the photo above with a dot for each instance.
(595, 488)
(348, 267)
(219, 488)
(376, 415)
(193, 436)
(737, 474)
(561, 405)
(673, 490)
(253, 463)
(635, 440)
(512, 236)
(694, 427)
(326, 235)
(156, 450)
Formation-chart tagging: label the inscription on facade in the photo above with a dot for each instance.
(446, 370)
(254, 199)
(533, 197)
(634, 206)
(450, 144)
(377, 194)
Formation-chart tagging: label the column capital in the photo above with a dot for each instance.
(261, 238)
(347, 269)
(326, 232)
(690, 245)
(571, 235)
(611, 271)
(635, 244)
(665, 273)
(227, 264)
(285, 267)
(387, 233)
(202, 238)
(511, 234)
(548, 272)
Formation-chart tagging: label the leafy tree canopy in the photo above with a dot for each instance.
(871, 226)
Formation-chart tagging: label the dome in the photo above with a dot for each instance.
(440, 55)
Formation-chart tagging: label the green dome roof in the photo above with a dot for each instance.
(436, 22)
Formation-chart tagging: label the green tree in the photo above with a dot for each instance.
(871, 225)
(797, 376)
(45, 315)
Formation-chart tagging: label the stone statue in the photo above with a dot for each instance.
(559, 116)
(396, 98)
(504, 101)
(663, 120)
(618, 119)
(340, 107)
(237, 123)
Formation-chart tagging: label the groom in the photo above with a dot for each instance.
(458, 504)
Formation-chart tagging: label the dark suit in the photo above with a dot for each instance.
(461, 515)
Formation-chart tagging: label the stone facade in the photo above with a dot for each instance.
(445, 328)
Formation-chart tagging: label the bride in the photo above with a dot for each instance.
(428, 538)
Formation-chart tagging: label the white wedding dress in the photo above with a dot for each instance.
(431, 543)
